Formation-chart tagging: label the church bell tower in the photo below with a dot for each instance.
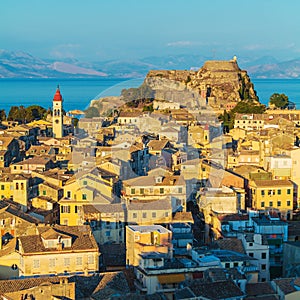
(57, 116)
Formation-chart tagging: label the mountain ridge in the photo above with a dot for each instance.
(20, 64)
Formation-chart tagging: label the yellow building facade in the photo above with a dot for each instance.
(269, 194)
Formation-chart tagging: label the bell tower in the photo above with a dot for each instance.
(57, 116)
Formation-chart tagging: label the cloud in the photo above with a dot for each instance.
(252, 47)
(182, 44)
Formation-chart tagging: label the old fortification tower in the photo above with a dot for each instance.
(57, 118)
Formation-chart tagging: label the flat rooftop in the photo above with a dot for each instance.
(149, 228)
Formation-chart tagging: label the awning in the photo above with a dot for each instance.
(171, 278)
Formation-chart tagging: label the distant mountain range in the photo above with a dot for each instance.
(23, 65)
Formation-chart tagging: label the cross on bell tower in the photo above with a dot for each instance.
(57, 116)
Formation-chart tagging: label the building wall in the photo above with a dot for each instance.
(6, 263)
(291, 257)
(256, 250)
(273, 196)
(147, 241)
(58, 263)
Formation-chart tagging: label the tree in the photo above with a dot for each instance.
(279, 100)
(17, 113)
(35, 112)
(148, 108)
(225, 118)
(23, 115)
(92, 112)
(243, 107)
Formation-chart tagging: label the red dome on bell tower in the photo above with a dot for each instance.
(57, 96)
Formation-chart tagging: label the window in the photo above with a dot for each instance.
(17, 186)
(161, 190)
(251, 254)
(90, 259)
(83, 196)
(144, 215)
(142, 191)
(166, 214)
(279, 192)
(52, 262)
(263, 266)
(67, 261)
(288, 191)
(236, 264)
(68, 194)
(36, 263)
(44, 193)
(65, 209)
(107, 233)
(262, 192)
(288, 203)
(271, 203)
(180, 190)
(132, 191)
(76, 209)
(250, 244)
(134, 215)
(84, 182)
(79, 261)
(154, 215)
(227, 265)
(278, 203)
(262, 204)
(264, 255)
(2, 187)
(22, 186)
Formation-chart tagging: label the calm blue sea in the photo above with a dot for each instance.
(78, 93)
(266, 87)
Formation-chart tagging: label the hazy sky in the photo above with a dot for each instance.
(131, 29)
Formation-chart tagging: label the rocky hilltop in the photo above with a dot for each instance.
(217, 83)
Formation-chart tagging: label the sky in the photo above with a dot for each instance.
(98, 30)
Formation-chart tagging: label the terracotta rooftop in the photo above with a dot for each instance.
(57, 95)
(233, 217)
(287, 285)
(259, 289)
(13, 285)
(111, 283)
(232, 244)
(215, 290)
(157, 145)
(81, 239)
(162, 204)
(273, 183)
(128, 114)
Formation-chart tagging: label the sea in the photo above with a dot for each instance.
(78, 93)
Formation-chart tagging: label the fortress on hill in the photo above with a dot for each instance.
(220, 83)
